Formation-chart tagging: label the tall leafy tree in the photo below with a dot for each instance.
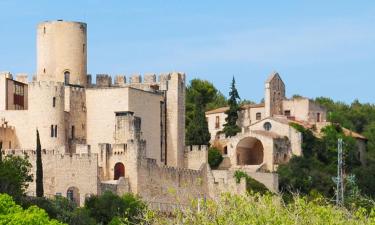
(201, 95)
(39, 167)
(230, 127)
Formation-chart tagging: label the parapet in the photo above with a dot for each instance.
(149, 78)
(120, 80)
(103, 80)
(6, 74)
(196, 148)
(136, 79)
(22, 77)
(89, 80)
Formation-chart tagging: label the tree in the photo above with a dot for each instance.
(197, 130)
(109, 206)
(14, 176)
(10, 213)
(1, 151)
(214, 157)
(39, 168)
(201, 95)
(230, 127)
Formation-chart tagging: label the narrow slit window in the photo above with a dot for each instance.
(55, 130)
(54, 102)
(52, 132)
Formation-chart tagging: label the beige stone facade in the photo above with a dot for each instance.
(128, 135)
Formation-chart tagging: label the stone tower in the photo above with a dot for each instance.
(175, 120)
(62, 52)
(274, 95)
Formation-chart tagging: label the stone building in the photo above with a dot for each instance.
(128, 135)
(267, 138)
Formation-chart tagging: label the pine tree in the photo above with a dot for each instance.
(230, 127)
(197, 130)
(39, 168)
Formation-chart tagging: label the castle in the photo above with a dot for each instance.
(129, 135)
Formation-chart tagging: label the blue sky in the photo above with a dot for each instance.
(320, 48)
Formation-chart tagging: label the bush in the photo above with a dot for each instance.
(264, 209)
(108, 206)
(252, 185)
(10, 213)
(214, 157)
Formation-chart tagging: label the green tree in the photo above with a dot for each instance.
(10, 213)
(230, 127)
(39, 167)
(214, 157)
(14, 176)
(201, 95)
(108, 206)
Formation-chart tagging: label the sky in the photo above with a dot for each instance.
(320, 48)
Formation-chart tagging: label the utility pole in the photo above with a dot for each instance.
(340, 174)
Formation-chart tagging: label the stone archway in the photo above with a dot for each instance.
(72, 194)
(119, 171)
(249, 151)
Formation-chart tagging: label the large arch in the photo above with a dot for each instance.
(249, 151)
(73, 195)
(119, 171)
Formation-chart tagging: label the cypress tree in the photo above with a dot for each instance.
(230, 127)
(39, 168)
(1, 151)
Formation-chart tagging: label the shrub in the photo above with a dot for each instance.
(214, 157)
(252, 185)
(108, 206)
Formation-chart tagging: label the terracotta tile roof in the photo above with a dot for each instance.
(223, 109)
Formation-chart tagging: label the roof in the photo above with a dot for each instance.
(272, 76)
(267, 133)
(353, 134)
(223, 109)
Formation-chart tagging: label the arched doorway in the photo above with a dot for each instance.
(119, 171)
(249, 151)
(72, 194)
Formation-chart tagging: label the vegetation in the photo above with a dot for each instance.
(252, 185)
(230, 127)
(201, 96)
(265, 209)
(214, 157)
(11, 213)
(109, 206)
(39, 168)
(14, 176)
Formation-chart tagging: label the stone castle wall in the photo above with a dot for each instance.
(63, 171)
(195, 157)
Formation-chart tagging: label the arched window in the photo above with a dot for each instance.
(66, 77)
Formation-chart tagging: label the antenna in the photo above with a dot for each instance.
(340, 174)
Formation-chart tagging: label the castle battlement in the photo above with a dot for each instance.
(196, 148)
(48, 84)
(48, 153)
(120, 80)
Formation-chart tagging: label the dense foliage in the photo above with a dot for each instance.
(14, 176)
(201, 96)
(11, 213)
(252, 185)
(230, 127)
(109, 206)
(266, 209)
(214, 157)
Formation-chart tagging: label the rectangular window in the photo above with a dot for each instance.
(258, 116)
(318, 119)
(287, 112)
(217, 122)
(54, 102)
(73, 131)
(18, 96)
